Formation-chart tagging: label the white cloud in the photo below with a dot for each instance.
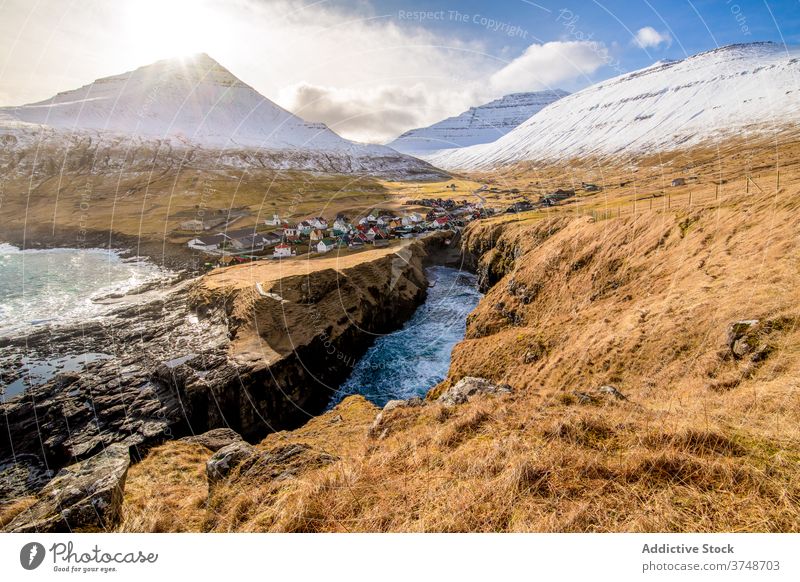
(544, 66)
(649, 37)
(367, 114)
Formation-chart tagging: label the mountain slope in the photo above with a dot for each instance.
(195, 102)
(482, 124)
(752, 88)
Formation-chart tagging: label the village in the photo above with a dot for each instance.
(277, 238)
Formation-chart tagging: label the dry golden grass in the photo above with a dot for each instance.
(706, 441)
(167, 491)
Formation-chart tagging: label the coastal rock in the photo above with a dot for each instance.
(226, 459)
(86, 496)
(215, 439)
(470, 386)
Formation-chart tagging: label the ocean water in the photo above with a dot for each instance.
(410, 361)
(54, 286)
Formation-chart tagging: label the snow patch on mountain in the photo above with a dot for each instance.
(482, 124)
(752, 89)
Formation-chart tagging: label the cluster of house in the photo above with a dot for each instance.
(322, 236)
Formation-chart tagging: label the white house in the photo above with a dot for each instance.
(282, 250)
(318, 222)
(290, 231)
(341, 225)
(325, 245)
(304, 227)
(274, 221)
(208, 243)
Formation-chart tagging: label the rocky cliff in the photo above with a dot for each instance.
(256, 351)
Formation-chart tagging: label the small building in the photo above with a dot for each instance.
(590, 187)
(209, 243)
(555, 197)
(274, 221)
(316, 235)
(325, 245)
(318, 222)
(373, 232)
(304, 227)
(254, 242)
(195, 225)
(282, 250)
(679, 182)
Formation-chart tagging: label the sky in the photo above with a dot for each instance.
(372, 69)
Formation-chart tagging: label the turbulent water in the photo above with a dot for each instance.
(61, 285)
(413, 359)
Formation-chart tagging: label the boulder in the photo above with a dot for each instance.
(375, 428)
(215, 439)
(742, 338)
(470, 386)
(284, 462)
(226, 459)
(86, 496)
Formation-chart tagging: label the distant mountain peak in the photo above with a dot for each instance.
(481, 124)
(196, 101)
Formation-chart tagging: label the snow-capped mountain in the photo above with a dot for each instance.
(482, 124)
(197, 103)
(732, 91)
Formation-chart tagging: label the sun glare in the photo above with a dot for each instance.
(172, 28)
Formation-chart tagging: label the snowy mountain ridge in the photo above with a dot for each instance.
(196, 102)
(735, 90)
(482, 124)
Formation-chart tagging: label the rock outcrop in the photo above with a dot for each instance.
(215, 439)
(468, 387)
(226, 460)
(86, 496)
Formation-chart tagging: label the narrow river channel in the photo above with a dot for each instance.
(411, 360)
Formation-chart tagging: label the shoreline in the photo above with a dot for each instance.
(163, 253)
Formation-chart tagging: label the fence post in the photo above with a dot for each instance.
(690, 199)
(669, 200)
(716, 192)
(747, 184)
(778, 181)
